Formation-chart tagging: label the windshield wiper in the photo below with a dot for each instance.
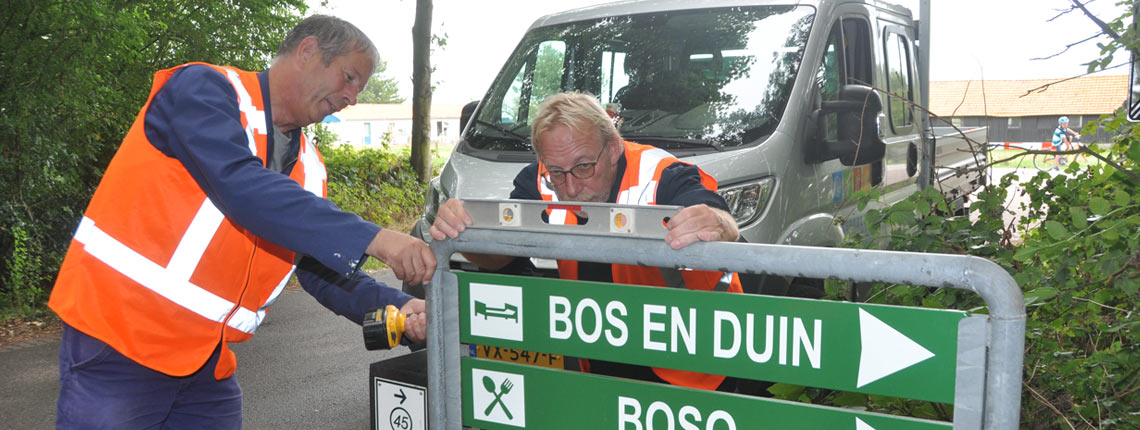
(702, 143)
(505, 131)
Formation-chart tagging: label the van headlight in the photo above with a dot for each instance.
(434, 200)
(748, 200)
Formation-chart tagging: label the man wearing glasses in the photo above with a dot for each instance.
(582, 158)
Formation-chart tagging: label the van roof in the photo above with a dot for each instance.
(629, 7)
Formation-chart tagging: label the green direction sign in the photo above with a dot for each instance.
(875, 349)
(499, 395)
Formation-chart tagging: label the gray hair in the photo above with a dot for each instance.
(578, 111)
(335, 37)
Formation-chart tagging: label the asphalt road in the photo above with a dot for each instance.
(305, 369)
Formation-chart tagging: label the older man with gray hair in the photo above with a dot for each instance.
(582, 158)
(213, 200)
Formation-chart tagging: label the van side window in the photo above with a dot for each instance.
(857, 49)
(846, 60)
(898, 80)
(614, 75)
(539, 78)
(828, 79)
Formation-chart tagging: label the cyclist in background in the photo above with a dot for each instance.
(1063, 138)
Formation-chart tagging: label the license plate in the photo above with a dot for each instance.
(553, 361)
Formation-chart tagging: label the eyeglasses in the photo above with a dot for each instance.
(580, 171)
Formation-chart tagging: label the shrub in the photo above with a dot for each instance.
(1078, 263)
(379, 186)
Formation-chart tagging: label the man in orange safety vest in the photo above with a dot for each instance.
(582, 158)
(213, 201)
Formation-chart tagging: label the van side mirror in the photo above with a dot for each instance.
(857, 128)
(465, 114)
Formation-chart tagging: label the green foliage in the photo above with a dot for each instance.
(1080, 270)
(1074, 249)
(379, 186)
(1122, 26)
(322, 137)
(380, 89)
(376, 184)
(73, 76)
(24, 278)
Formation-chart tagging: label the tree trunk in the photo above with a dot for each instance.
(421, 91)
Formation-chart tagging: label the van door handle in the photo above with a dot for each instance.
(911, 159)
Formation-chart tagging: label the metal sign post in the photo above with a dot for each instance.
(913, 353)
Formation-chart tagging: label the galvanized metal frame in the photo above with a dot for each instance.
(1006, 334)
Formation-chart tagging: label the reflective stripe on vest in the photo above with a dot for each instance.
(649, 162)
(554, 216)
(254, 118)
(173, 281)
(641, 190)
(315, 172)
(166, 282)
(645, 191)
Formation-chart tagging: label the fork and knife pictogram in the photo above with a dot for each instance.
(504, 388)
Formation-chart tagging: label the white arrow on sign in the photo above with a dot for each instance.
(885, 350)
(860, 425)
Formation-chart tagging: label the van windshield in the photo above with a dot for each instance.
(689, 81)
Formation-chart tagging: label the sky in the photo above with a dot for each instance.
(971, 39)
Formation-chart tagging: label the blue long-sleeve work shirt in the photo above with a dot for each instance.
(195, 119)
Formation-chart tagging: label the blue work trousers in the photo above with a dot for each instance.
(99, 388)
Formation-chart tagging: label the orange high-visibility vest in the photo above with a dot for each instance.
(644, 165)
(156, 271)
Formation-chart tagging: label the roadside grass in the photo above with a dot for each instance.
(439, 155)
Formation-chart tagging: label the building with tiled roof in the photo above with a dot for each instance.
(1027, 110)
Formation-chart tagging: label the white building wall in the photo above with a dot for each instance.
(370, 133)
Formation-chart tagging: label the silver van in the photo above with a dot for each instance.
(792, 106)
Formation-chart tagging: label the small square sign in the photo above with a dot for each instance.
(496, 311)
(498, 397)
(400, 406)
